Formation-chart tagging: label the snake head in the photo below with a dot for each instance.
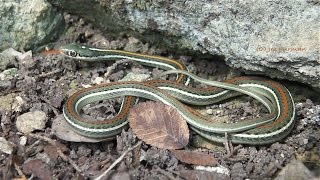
(77, 51)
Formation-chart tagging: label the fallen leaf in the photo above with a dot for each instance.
(159, 125)
(195, 157)
(37, 168)
(52, 151)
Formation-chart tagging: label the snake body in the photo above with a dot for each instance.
(263, 130)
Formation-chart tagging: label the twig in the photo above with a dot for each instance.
(32, 146)
(43, 75)
(114, 66)
(232, 152)
(22, 176)
(118, 160)
(166, 173)
(53, 143)
(228, 145)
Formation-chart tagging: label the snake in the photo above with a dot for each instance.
(270, 128)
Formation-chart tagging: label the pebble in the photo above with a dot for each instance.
(23, 140)
(17, 104)
(5, 146)
(6, 102)
(30, 121)
(62, 130)
(98, 80)
(209, 111)
(8, 58)
(295, 170)
(135, 77)
(86, 85)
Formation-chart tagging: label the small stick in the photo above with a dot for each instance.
(43, 75)
(227, 144)
(22, 176)
(166, 173)
(118, 160)
(114, 66)
(53, 143)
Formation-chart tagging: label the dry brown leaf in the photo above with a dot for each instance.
(38, 169)
(159, 125)
(195, 157)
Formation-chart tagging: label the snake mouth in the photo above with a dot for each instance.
(52, 52)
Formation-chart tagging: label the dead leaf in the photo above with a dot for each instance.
(195, 157)
(37, 168)
(52, 151)
(159, 125)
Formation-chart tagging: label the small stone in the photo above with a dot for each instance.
(7, 58)
(98, 80)
(17, 104)
(4, 84)
(237, 170)
(30, 121)
(5, 146)
(86, 85)
(11, 72)
(84, 151)
(295, 170)
(135, 77)
(23, 140)
(133, 45)
(62, 130)
(209, 111)
(6, 102)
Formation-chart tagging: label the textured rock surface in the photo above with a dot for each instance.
(276, 38)
(30, 121)
(27, 24)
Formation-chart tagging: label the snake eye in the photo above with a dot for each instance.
(72, 53)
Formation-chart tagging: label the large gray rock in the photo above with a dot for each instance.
(27, 24)
(276, 38)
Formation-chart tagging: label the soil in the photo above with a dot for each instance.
(44, 82)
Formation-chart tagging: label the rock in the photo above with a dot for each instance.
(9, 73)
(6, 102)
(5, 146)
(17, 104)
(23, 140)
(8, 58)
(135, 77)
(62, 130)
(209, 111)
(295, 170)
(4, 84)
(11, 102)
(237, 171)
(98, 80)
(27, 24)
(30, 121)
(275, 38)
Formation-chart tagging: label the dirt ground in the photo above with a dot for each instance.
(44, 81)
